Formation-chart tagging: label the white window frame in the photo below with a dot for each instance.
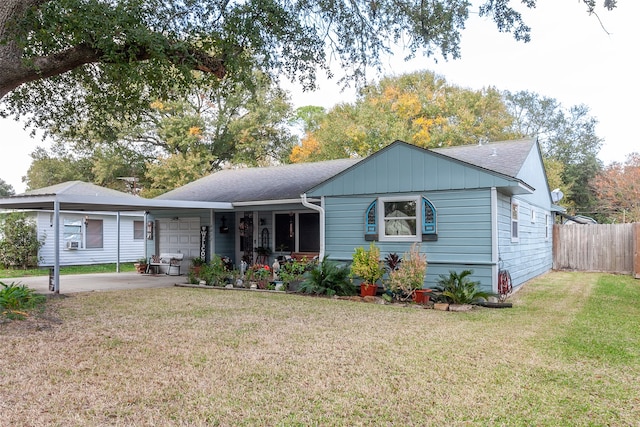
(89, 237)
(514, 228)
(533, 216)
(547, 232)
(141, 232)
(417, 236)
(67, 236)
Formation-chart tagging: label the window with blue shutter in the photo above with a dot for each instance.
(427, 217)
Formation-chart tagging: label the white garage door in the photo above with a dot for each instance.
(179, 236)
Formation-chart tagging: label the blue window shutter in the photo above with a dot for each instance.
(428, 217)
(371, 221)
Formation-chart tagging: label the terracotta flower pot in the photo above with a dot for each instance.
(367, 289)
(421, 296)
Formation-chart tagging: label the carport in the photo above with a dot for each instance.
(87, 202)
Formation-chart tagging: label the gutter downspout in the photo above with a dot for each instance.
(495, 248)
(319, 209)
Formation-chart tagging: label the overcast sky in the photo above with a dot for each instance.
(570, 58)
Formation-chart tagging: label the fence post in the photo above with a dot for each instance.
(636, 250)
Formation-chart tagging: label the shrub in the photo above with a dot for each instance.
(328, 278)
(367, 265)
(215, 272)
(15, 298)
(409, 274)
(457, 288)
(19, 245)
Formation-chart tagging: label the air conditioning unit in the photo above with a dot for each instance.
(73, 245)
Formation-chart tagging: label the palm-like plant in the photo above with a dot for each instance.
(328, 278)
(458, 288)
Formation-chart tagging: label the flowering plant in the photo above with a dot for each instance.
(261, 271)
(410, 273)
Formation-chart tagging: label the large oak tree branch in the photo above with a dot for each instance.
(67, 60)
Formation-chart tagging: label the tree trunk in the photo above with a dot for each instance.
(10, 58)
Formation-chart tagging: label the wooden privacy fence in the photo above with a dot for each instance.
(611, 248)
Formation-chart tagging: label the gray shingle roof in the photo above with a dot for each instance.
(77, 188)
(290, 181)
(258, 184)
(505, 157)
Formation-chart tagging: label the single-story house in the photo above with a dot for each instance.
(478, 207)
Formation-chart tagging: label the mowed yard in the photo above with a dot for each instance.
(567, 353)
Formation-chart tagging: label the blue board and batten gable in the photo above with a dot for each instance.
(402, 167)
(471, 189)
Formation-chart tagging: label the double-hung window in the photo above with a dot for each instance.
(400, 218)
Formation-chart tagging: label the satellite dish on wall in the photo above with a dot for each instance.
(556, 195)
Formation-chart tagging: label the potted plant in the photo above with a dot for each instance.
(458, 290)
(214, 273)
(261, 274)
(141, 265)
(367, 266)
(196, 266)
(292, 273)
(407, 280)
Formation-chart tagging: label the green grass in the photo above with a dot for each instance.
(566, 354)
(72, 269)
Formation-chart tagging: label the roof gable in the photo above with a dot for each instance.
(403, 167)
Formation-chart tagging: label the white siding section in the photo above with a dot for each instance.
(130, 249)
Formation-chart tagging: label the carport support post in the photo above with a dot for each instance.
(118, 242)
(56, 243)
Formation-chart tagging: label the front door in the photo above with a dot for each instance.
(245, 233)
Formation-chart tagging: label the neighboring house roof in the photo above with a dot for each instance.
(81, 196)
(77, 188)
(283, 182)
(577, 219)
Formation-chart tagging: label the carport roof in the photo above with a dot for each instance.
(83, 196)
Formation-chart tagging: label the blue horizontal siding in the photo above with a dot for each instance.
(464, 232)
(532, 254)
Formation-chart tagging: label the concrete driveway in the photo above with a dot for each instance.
(99, 282)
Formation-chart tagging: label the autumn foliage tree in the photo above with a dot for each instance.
(420, 108)
(618, 190)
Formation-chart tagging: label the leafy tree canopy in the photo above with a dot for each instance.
(174, 142)
(6, 189)
(63, 61)
(568, 139)
(618, 191)
(419, 108)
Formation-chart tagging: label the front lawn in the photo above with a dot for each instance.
(567, 353)
(69, 269)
